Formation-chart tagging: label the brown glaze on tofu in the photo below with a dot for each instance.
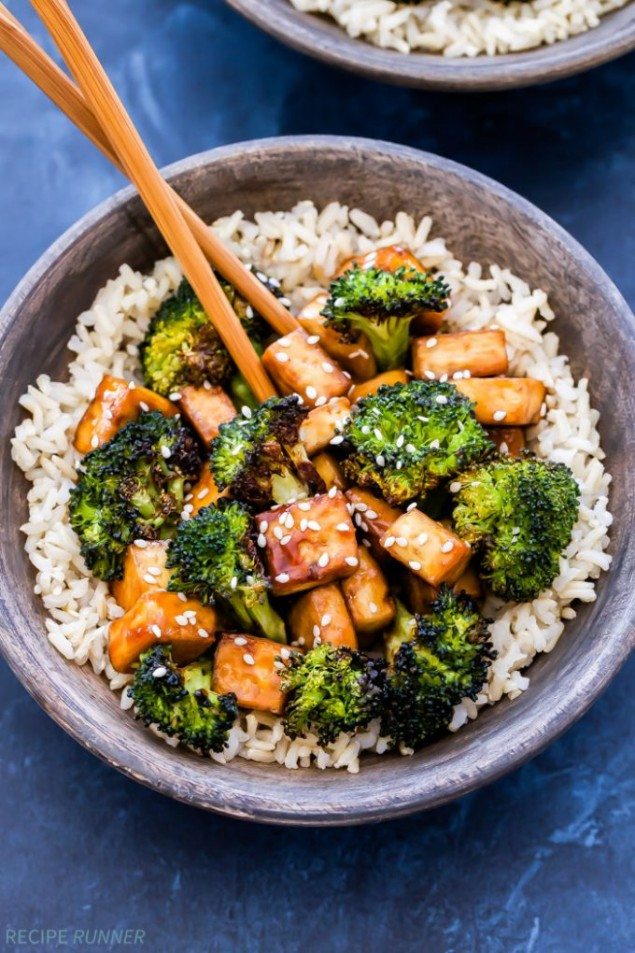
(309, 543)
(371, 387)
(482, 353)
(329, 471)
(505, 401)
(508, 440)
(298, 365)
(206, 409)
(115, 404)
(356, 358)
(323, 423)
(368, 597)
(144, 571)
(427, 548)
(320, 615)
(373, 517)
(248, 666)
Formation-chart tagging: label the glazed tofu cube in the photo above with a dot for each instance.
(115, 403)
(248, 666)
(419, 594)
(320, 615)
(371, 387)
(367, 596)
(507, 401)
(323, 423)
(482, 353)
(509, 440)
(390, 258)
(161, 617)
(309, 543)
(143, 571)
(329, 471)
(206, 409)
(355, 358)
(428, 549)
(298, 365)
(469, 583)
(204, 493)
(373, 517)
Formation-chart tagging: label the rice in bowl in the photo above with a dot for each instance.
(463, 27)
(302, 248)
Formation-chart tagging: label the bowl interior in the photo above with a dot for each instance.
(321, 37)
(482, 221)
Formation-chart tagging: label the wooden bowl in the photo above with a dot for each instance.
(322, 38)
(482, 221)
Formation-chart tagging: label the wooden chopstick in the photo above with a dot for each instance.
(26, 53)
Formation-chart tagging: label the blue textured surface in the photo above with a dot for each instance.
(540, 861)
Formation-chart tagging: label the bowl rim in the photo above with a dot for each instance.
(311, 34)
(406, 798)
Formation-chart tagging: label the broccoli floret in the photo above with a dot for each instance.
(520, 512)
(132, 487)
(331, 690)
(260, 459)
(180, 701)
(215, 560)
(435, 661)
(406, 438)
(382, 304)
(181, 346)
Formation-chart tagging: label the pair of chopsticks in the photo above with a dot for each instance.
(94, 106)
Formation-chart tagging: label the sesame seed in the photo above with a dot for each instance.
(366, 543)
(441, 399)
(362, 507)
(284, 342)
(343, 527)
(246, 411)
(313, 339)
(467, 374)
(282, 357)
(455, 486)
(248, 659)
(422, 539)
(457, 375)
(316, 631)
(278, 665)
(303, 525)
(389, 541)
(182, 596)
(365, 430)
(304, 506)
(282, 577)
(207, 385)
(434, 444)
(410, 507)
(141, 543)
(400, 440)
(311, 392)
(335, 441)
(431, 342)
(448, 546)
(327, 367)
(285, 653)
(154, 570)
(240, 640)
(351, 560)
(175, 395)
(94, 441)
(277, 532)
(160, 672)
(380, 460)
(263, 526)
(188, 508)
(324, 560)
(378, 433)
(415, 565)
(401, 541)
(156, 631)
(262, 541)
(302, 640)
(203, 634)
(371, 515)
(131, 385)
(430, 375)
(332, 493)
(358, 519)
(321, 401)
(180, 619)
(503, 447)
(443, 378)
(144, 406)
(499, 414)
(285, 540)
(149, 579)
(373, 608)
(234, 582)
(410, 448)
(314, 525)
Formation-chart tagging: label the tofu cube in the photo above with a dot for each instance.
(508, 440)
(298, 365)
(356, 358)
(482, 353)
(323, 423)
(505, 401)
(372, 386)
(320, 615)
(309, 543)
(161, 617)
(368, 597)
(143, 571)
(206, 409)
(329, 471)
(428, 549)
(115, 404)
(248, 666)
(420, 594)
(373, 517)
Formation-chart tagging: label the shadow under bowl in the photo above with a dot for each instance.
(482, 221)
(322, 38)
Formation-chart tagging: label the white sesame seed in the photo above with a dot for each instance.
(316, 631)
(457, 375)
(203, 634)
(411, 506)
(263, 526)
(365, 430)
(262, 541)
(284, 342)
(380, 460)
(282, 577)
(327, 367)
(410, 448)
(303, 524)
(144, 406)
(467, 374)
(94, 442)
(154, 570)
(455, 486)
(448, 546)
(278, 665)
(182, 596)
(156, 631)
(351, 560)
(321, 401)
(431, 342)
(302, 640)
(207, 385)
(401, 541)
(378, 433)
(361, 507)
(422, 539)
(324, 560)
(343, 527)
(430, 375)
(499, 414)
(248, 659)
(188, 508)
(277, 532)
(389, 541)
(175, 395)
(180, 619)
(400, 440)
(234, 582)
(415, 565)
(441, 399)
(188, 497)
(149, 579)
(314, 525)
(443, 378)
(282, 357)
(366, 543)
(325, 620)
(285, 540)
(304, 506)
(131, 385)
(240, 640)
(246, 411)
(335, 441)
(503, 447)
(371, 515)
(373, 608)
(332, 493)
(311, 392)
(313, 339)
(160, 672)
(141, 543)
(434, 444)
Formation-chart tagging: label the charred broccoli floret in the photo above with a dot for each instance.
(435, 661)
(132, 487)
(180, 701)
(260, 459)
(214, 559)
(407, 438)
(382, 304)
(181, 346)
(520, 511)
(331, 690)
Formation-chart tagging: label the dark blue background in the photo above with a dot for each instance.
(540, 861)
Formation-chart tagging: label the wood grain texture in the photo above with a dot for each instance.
(323, 39)
(597, 329)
